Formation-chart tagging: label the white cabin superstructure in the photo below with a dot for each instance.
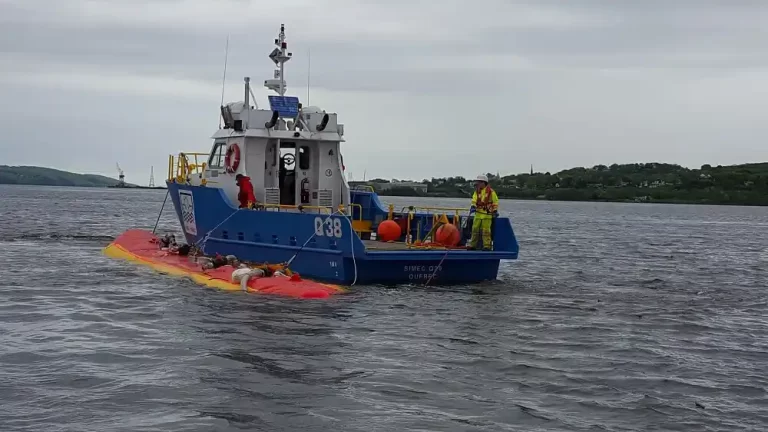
(290, 153)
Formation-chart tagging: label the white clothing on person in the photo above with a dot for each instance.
(243, 274)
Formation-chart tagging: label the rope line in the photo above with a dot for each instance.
(200, 244)
(352, 247)
(351, 238)
(438, 267)
(161, 211)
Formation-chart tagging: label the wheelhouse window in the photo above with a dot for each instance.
(304, 158)
(218, 155)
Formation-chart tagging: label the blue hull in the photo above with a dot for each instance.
(333, 251)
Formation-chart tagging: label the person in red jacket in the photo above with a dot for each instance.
(245, 196)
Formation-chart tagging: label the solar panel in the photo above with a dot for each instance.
(286, 106)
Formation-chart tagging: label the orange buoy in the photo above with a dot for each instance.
(389, 230)
(447, 235)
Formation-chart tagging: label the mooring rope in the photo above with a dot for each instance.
(351, 238)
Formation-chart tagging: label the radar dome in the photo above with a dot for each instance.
(236, 107)
(311, 110)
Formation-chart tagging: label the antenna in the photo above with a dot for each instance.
(224, 78)
(283, 46)
(309, 71)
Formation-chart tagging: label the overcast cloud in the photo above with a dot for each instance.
(424, 88)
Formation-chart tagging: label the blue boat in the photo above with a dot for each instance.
(308, 215)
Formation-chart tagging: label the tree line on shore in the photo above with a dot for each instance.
(745, 184)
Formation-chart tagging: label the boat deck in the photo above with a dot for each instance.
(379, 245)
(391, 246)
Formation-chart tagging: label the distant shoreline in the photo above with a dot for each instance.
(85, 186)
(137, 187)
(744, 184)
(467, 197)
(654, 183)
(672, 202)
(41, 176)
(88, 186)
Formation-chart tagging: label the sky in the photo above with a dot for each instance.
(424, 88)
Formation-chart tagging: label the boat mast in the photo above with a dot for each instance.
(283, 58)
(247, 101)
(279, 56)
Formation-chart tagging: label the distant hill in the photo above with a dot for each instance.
(31, 175)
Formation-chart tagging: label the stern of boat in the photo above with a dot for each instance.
(415, 257)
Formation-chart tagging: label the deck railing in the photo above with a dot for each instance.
(365, 188)
(437, 212)
(300, 208)
(358, 224)
(439, 216)
(180, 168)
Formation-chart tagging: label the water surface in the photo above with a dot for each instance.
(617, 317)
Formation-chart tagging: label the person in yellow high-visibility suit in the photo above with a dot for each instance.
(485, 206)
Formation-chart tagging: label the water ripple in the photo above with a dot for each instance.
(616, 318)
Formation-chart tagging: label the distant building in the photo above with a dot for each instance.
(358, 184)
(419, 187)
(381, 187)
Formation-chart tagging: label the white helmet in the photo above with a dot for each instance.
(482, 178)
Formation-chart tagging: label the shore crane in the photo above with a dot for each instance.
(121, 175)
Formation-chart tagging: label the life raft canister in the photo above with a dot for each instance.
(232, 159)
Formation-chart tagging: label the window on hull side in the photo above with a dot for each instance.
(303, 158)
(218, 156)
